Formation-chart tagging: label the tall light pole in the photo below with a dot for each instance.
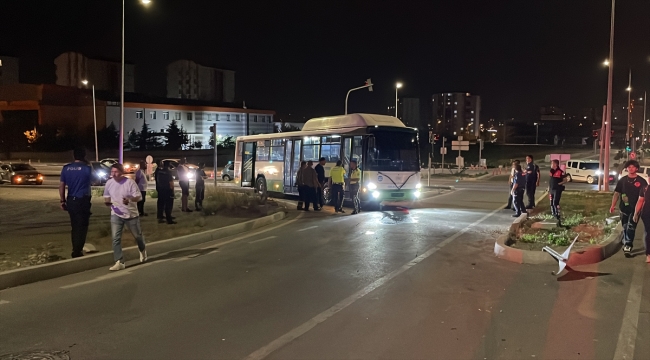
(645, 116)
(610, 77)
(630, 136)
(121, 140)
(397, 86)
(367, 85)
(536, 133)
(85, 82)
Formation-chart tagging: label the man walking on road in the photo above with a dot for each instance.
(532, 180)
(320, 171)
(645, 216)
(165, 189)
(121, 194)
(628, 189)
(77, 176)
(141, 180)
(337, 180)
(355, 178)
(519, 182)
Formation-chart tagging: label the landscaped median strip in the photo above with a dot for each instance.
(590, 255)
(36, 273)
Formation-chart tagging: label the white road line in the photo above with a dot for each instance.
(342, 219)
(2, 302)
(308, 228)
(627, 336)
(283, 340)
(98, 279)
(253, 234)
(266, 238)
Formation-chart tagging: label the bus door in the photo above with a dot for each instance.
(248, 162)
(347, 156)
(291, 165)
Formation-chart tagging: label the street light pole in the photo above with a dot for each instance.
(368, 85)
(397, 86)
(536, 133)
(121, 137)
(85, 82)
(610, 77)
(645, 119)
(630, 137)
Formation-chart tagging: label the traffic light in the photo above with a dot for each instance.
(628, 148)
(595, 133)
(369, 83)
(212, 128)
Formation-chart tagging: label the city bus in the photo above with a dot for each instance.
(386, 151)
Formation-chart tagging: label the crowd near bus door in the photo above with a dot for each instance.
(248, 160)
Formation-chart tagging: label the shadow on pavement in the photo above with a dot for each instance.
(573, 275)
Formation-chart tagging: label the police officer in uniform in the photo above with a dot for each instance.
(165, 189)
(337, 180)
(77, 176)
(355, 178)
(518, 187)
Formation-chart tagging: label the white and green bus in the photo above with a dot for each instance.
(386, 151)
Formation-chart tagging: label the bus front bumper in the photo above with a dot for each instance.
(389, 196)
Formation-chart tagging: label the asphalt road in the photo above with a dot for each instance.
(418, 284)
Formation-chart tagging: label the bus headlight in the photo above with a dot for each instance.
(371, 186)
(418, 186)
(376, 194)
(417, 194)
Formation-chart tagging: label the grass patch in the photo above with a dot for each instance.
(583, 215)
(220, 201)
(97, 191)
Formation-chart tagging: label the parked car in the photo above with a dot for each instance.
(644, 172)
(128, 166)
(20, 174)
(228, 172)
(173, 168)
(101, 173)
(586, 171)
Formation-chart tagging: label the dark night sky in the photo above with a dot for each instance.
(302, 57)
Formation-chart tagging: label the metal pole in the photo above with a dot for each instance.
(348, 94)
(601, 152)
(610, 77)
(443, 153)
(121, 139)
(536, 133)
(430, 152)
(215, 154)
(396, 100)
(480, 147)
(95, 121)
(630, 137)
(645, 119)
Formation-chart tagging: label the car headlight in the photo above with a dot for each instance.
(376, 194)
(417, 194)
(190, 175)
(613, 173)
(101, 174)
(598, 172)
(418, 186)
(126, 166)
(371, 186)
(40, 177)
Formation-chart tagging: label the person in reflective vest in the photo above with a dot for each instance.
(355, 178)
(337, 180)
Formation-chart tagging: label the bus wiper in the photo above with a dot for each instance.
(391, 180)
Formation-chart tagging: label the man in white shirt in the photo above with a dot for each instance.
(122, 194)
(141, 180)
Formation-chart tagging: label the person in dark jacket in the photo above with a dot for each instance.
(300, 184)
(165, 189)
(320, 171)
(510, 182)
(199, 187)
(77, 176)
(555, 188)
(518, 187)
(532, 180)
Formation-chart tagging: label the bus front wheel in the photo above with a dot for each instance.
(260, 187)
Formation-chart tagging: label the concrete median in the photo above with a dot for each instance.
(37, 273)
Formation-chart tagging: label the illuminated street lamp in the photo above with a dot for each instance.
(606, 62)
(121, 140)
(397, 86)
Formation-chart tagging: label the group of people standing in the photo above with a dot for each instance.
(311, 182)
(125, 197)
(523, 182)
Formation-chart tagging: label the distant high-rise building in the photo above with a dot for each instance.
(409, 112)
(8, 70)
(456, 113)
(551, 113)
(72, 68)
(189, 80)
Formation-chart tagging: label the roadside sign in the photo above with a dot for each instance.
(460, 145)
(632, 155)
(443, 151)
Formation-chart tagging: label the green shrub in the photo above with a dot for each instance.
(218, 200)
(97, 191)
(152, 194)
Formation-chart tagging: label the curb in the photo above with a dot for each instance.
(17, 277)
(590, 255)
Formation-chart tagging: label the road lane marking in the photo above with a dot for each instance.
(2, 302)
(285, 339)
(98, 279)
(253, 234)
(627, 336)
(266, 238)
(308, 228)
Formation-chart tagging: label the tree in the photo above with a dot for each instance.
(176, 137)
(132, 140)
(147, 139)
(107, 138)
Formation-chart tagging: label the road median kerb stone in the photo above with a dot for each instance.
(590, 255)
(48, 271)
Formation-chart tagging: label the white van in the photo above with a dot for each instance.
(586, 171)
(644, 172)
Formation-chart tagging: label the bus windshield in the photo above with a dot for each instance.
(391, 150)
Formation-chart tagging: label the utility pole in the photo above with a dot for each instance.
(610, 77)
(630, 134)
(601, 139)
(367, 85)
(430, 151)
(443, 152)
(213, 128)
